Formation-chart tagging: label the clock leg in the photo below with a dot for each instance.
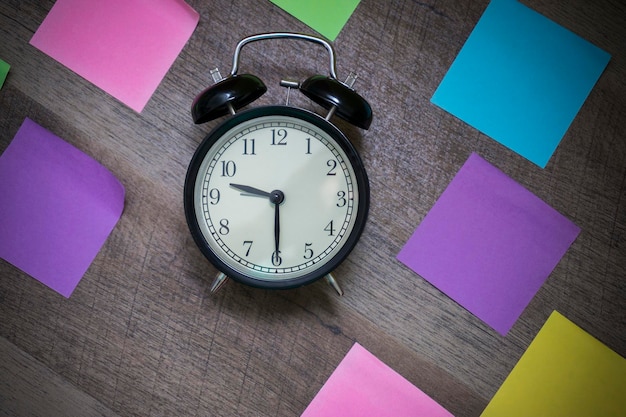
(333, 283)
(219, 282)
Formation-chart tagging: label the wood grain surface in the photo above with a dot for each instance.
(142, 336)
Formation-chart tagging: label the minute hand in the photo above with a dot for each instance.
(250, 190)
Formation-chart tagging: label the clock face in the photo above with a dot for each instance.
(276, 197)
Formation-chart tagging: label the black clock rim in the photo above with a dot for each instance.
(362, 182)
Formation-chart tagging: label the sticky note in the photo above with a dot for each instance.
(363, 386)
(565, 372)
(488, 243)
(57, 207)
(521, 79)
(327, 17)
(125, 47)
(4, 70)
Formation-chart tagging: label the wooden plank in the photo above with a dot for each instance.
(141, 333)
(29, 388)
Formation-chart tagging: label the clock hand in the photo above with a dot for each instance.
(276, 226)
(251, 190)
(277, 197)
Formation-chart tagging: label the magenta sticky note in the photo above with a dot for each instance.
(125, 47)
(488, 243)
(57, 207)
(364, 386)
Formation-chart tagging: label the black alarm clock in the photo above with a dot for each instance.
(276, 196)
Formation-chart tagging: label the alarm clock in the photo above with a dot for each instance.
(276, 196)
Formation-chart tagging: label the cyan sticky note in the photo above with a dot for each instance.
(521, 79)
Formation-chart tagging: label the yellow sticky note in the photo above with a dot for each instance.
(564, 372)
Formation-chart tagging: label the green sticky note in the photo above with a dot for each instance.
(4, 70)
(327, 17)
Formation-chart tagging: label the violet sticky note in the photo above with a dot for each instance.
(57, 207)
(521, 79)
(363, 386)
(565, 372)
(488, 243)
(125, 47)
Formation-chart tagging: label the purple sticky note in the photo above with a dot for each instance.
(57, 207)
(364, 386)
(488, 243)
(124, 47)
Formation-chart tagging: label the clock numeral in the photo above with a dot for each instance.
(279, 137)
(308, 252)
(228, 168)
(276, 259)
(332, 164)
(330, 229)
(214, 195)
(308, 146)
(224, 229)
(247, 243)
(342, 198)
(248, 147)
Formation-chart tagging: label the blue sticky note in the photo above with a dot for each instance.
(521, 79)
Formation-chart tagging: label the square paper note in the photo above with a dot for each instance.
(4, 70)
(125, 47)
(520, 79)
(488, 243)
(327, 17)
(57, 207)
(363, 386)
(565, 372)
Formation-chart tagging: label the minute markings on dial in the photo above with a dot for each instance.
(297, 240)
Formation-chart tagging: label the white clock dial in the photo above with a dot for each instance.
(277, 197)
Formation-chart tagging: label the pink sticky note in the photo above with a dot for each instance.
(363, 386)
(488, 243)
(125, 47)
(57, 207)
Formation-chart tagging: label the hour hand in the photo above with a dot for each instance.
(250, 190)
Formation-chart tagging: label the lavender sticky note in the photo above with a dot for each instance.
(125, 47)
(488, 243)
(521, 79)
(363, 386)
(57, 207)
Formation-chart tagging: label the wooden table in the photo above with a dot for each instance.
(142, 335)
